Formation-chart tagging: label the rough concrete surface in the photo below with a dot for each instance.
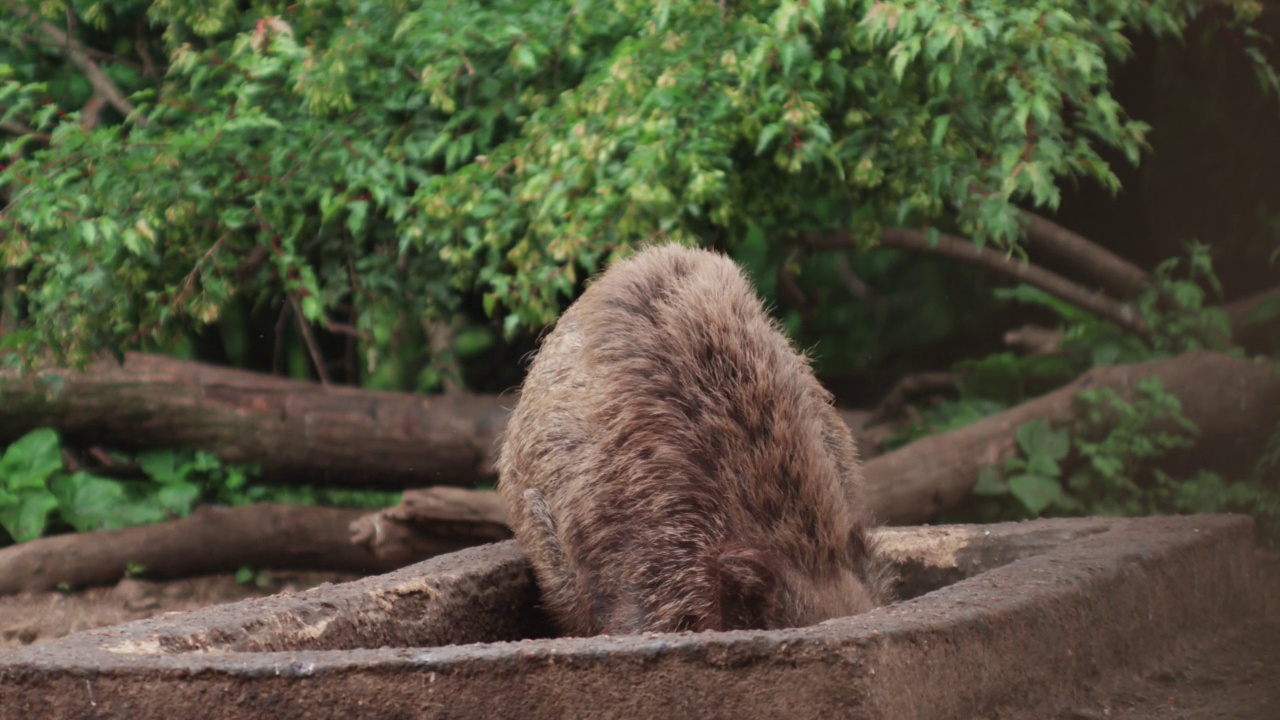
(1013, 620)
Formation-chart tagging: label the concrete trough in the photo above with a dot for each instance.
(1010, 620)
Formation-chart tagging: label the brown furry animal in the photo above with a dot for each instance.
(674, 465)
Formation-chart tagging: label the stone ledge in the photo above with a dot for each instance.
(1014, 620)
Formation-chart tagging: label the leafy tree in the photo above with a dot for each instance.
(377, 163)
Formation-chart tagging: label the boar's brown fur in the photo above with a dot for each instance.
(673, 464)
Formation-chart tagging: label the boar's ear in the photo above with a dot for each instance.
(747, 586)
(859, 545)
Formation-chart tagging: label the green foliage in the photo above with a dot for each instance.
(1115, 438)
(37, 494)
(1180, 319)
(1034, 478)
(379, 163)
(1177, 309)
(1103, 465)
(251, 576)
(25, 468)
(1109, 447)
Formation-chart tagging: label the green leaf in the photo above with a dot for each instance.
(357, 210)
(1035, 492)
(161, 466)
(1038, 438)
(940, 125)
(87, 502)
(25, 516)
(30, 460)
(990, 483)
(767, 134)
(179, 499)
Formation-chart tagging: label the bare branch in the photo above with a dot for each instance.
(309, 339)
(895, 403)
(18, 128)
(91, 110)
(79, 56)
(212, 539)
(1035, 341)
(1123, 314)
(1117, 276)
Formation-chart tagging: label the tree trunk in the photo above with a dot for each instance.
(414, 529)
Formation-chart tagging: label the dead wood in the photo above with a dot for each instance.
(297, 431)
(1119, 277)
(1035, 341)
(1123, 314)
(1234, 402)
(213, 539)
(1259, 336)
(415, 529)
(894, 405)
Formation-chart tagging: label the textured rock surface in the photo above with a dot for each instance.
(1015, 620)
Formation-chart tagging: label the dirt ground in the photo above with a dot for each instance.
(1236, 678)
(29, 618)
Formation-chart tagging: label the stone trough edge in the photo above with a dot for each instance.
(1115, 597)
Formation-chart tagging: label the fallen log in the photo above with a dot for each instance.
(211, 540)
(1234, 402)
(296, 431)
(413, 530)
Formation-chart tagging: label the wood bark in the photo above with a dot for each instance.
(1234, 402)
(1119, 277)
(414, 529)
(1123, 314)
(297, 431)
(210, 540)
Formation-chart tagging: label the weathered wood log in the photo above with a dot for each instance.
(414, 529)
(210, 540)
(1234, 402)
(297, 431)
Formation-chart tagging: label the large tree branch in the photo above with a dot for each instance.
(1122, 314)
(298, 431)
(1234, 402)
(1119, 277)
(414, 529)
(79, 56)
(211, 540)
(1253, 336)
